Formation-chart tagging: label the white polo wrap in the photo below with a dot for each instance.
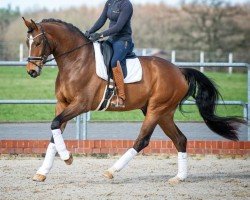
(124, 160)
(182, 165)
(60, 145)
(48, 160)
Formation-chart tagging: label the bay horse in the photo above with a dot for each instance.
(78, 89)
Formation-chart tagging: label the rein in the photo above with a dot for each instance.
(68, 52)
(44, 57)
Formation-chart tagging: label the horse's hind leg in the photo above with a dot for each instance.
(180, 141)
(141, 142)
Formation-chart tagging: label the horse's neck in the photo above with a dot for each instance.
(66, 41)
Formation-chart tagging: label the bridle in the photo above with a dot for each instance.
(43, 57)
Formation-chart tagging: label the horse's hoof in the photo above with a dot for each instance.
(175, 180)
(108, 175)
(70, 160)
(39, 178)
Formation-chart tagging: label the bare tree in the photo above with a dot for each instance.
(7, 15)
(212, 25)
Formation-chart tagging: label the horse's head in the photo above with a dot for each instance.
(39, 48)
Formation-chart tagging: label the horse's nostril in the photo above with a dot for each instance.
(33, 73)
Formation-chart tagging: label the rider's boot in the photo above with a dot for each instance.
(118, 101)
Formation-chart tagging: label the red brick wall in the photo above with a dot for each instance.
(120, 146)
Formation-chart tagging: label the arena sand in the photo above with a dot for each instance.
(146, 177)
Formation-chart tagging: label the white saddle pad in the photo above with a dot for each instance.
(134, 70)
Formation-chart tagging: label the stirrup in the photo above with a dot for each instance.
(116, 103)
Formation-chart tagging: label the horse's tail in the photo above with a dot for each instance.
(204, 91)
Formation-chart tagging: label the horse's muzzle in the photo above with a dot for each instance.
(33, 73)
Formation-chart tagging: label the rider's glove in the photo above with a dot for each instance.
(87, 34)
(95, 36)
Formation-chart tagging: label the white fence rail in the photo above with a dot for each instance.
(153, 51)
(81, 120)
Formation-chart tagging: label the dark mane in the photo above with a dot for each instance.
(71, 27)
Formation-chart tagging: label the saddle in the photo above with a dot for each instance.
(132, 73)
(107, 52)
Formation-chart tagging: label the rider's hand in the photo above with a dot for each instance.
(87, 34)
(95, 36)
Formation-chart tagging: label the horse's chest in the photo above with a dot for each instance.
(66, 91)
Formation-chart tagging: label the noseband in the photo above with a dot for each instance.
(43, 57)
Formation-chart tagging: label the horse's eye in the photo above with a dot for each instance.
(37, 44)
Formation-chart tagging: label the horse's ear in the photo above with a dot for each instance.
(34, 26)
(30, 25)
(27, 23)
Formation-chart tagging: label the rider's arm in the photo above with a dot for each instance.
(124, 16)
(101, 21)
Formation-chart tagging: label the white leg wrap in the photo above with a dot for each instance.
(48, 160)
(182, 165)
(123, 161)
(60, 145)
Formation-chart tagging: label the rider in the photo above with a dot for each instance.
(119, 12)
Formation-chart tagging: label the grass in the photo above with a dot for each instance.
(15, 83)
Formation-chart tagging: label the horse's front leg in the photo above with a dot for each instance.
(51, 150)
(71, 111)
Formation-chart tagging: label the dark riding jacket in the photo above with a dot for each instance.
(119, 12)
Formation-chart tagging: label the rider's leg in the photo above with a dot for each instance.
(121, 49)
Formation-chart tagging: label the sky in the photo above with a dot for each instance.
(64, 4)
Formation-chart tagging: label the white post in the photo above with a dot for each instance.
(201, 61)
(173, 56)
(81, 126)
(78, 127)
(230, 60)
(245, 111)
(88, 116)
(84, 126)
(21, 52)
(248, 103)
